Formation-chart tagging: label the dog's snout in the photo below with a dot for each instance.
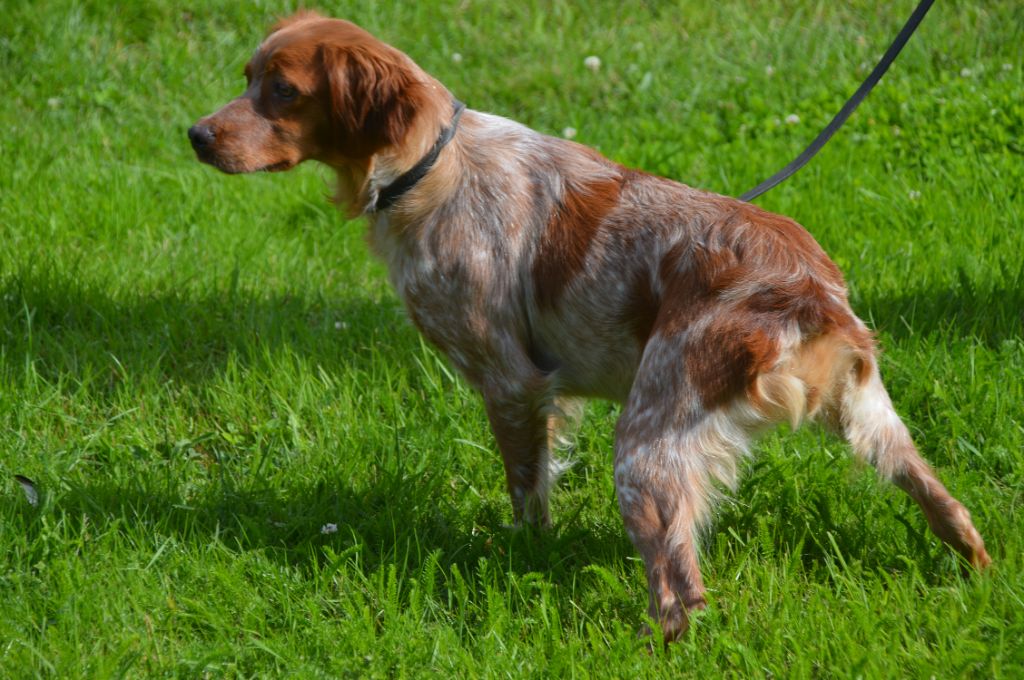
(201, 136)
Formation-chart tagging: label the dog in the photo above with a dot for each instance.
(547, 273)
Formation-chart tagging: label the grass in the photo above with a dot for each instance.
(200, 372)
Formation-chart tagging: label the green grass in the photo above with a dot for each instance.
(201, 371)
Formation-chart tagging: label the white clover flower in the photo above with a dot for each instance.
(340, 325)
(329, 529)
(914, 195)
(769, 70)
(456, 58)
(792, 119)
(593, 63)
(569, 132)
(53, 102)
(965, 72)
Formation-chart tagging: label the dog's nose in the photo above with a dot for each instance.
(201, 136)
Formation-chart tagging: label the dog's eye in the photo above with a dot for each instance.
(285, 91)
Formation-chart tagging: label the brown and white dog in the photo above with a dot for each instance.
(545, 271)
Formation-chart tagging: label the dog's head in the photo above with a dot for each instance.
(317, 88)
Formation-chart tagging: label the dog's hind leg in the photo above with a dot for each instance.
(662, 513)
(669, 454)
(877, 434)
(838, 381)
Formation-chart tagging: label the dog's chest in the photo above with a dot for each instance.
(455, 285)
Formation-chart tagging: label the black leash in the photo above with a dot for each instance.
(849, 107)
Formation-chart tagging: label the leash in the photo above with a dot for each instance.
(849, 107)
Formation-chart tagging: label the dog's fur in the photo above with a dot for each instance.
(546, 271)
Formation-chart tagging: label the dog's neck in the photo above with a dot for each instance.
(362, 181)
(386, 196)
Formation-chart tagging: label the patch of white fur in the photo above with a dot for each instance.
(682, 532)
(785, 393)
(490, 129)
(535, 506)
(779, 388)
(722, 439)
(563, 415)
(873, 427)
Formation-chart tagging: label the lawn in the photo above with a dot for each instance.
(250, 465)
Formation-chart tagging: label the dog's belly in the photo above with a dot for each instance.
(604, 376)
(588, 360)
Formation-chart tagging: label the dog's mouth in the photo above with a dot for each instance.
(230, 168)
(277, 167)
(210, 157)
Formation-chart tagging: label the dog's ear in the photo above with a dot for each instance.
(374, 96)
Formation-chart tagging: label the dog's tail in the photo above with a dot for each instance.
(878, 435)
(834, 378)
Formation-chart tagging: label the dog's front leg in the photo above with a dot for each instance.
(520, 422)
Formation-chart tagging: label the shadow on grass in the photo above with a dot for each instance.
(393, 521)
(992, 315)
(840, 514)
(73, 334)
(396, 521)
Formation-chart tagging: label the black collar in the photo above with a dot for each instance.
(387, 196)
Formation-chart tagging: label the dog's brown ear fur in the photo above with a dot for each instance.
(374, 96)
